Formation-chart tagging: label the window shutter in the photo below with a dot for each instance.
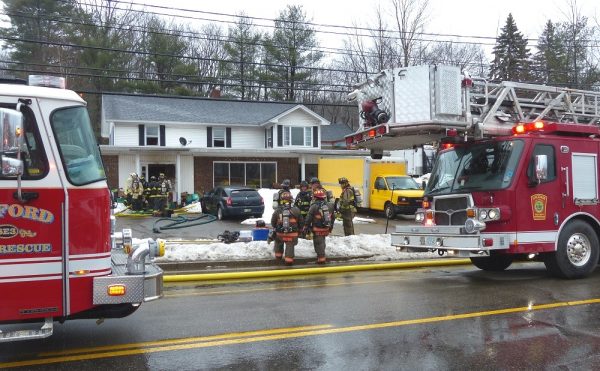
(161, 130)
(272, 136)
(266, 138)
(315, 136)
(141, 135)
(279, 136)
(209, 136)
(228, 137)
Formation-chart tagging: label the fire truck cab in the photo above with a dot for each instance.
(59, 257)
(517, 172)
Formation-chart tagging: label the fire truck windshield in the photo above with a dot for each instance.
(77, 145)
(482, 166)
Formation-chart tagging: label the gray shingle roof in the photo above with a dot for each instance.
(334, 131)
(167, 109)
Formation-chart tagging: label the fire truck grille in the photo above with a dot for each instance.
(451, 211)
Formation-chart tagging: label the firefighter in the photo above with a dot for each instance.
(315, 184)
(286, 221)
(319, 220)
(165, 189)
(285, 187)
(154, 197)
(347, 206)
(128, 188)
(136, 192)
(148, 205)
(302, 202)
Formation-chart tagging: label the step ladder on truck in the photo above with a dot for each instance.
(60, 257)
(517, 172)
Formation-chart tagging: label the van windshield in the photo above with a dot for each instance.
(483, 166)
(396, 182)
(77, 145)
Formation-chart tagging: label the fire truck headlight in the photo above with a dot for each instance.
(473, 226)
(494, 214)
(483, 214)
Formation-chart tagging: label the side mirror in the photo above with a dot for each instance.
(11, 134)
(541, 167)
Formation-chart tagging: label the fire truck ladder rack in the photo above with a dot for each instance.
(29, 334)
(489, 109)
(497, 107)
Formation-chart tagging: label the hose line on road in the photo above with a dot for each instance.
(182, 221)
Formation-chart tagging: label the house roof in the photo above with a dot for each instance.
(335, 132)
(138, 108)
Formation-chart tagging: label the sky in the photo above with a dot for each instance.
(461, 17)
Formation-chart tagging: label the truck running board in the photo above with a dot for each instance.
(29, 334)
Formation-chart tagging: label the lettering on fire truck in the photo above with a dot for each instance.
(26, 212)
(29, 248)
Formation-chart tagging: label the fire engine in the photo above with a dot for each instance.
(60, 258)
(516, 176)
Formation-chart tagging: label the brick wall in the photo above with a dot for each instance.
(203, 169)
(111, 167)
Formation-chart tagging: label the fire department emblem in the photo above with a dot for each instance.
(538, 206)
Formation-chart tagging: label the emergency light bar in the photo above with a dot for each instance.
(47, 81)
(526, 128)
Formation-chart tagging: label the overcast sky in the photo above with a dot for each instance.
(463, 17)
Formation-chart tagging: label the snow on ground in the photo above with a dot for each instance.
(366, 246)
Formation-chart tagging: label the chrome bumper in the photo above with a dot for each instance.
(138, 288)
(446, 238)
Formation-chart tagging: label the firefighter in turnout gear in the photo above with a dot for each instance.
(136, 192)
(285, 187)
(347, 207)
(155, 198)
(302, 202)
(164, 190)
(286, 221)
(315, 184)
(319, 220)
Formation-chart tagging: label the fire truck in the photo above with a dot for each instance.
(60, 257)
(516, 175)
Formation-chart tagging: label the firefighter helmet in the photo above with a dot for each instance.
(343, 180)
(304, 183)
(152, 178)
(320, 194)
(286, 183)
(314, 180)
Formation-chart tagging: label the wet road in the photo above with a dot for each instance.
(429, 319)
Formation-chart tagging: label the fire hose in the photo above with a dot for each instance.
(182, 221)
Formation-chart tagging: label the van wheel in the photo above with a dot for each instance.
(492, 263)
(389, 211)
(576, 254)
(220, 214)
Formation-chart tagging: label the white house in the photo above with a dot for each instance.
(199, 143)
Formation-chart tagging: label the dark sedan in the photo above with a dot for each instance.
(233, 201)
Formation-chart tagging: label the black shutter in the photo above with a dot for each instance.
(279, 136)
(161, 129)
(266, 138)
(272, 136)
(141, 135)
(228, 137)
(315, 136)
(209, 136)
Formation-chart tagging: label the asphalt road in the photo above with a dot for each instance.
(451, 318)
(143, 227)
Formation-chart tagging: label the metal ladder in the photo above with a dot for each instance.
(29, 334)
(523, 102)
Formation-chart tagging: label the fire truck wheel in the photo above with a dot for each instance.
(389, 211)
(492, 263)
(576, 254)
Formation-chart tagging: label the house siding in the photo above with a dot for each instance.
(195, 134)
(126, 135)
(187, 173)
(298, 118)
(203, 169)
(248, 138)
(126, 167)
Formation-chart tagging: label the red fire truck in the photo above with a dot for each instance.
(517, 172)
(59, 257)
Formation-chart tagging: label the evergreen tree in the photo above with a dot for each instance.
(290, 48)
(511, 55)
(242, 50)
(550, 61)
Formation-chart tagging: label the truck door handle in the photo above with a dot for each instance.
(26, 196)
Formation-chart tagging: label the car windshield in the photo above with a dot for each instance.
(397, 182)
(483, 166)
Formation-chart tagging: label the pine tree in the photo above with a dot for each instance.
(550, 62)
(242, 50)
(511, 55)
(291, 47)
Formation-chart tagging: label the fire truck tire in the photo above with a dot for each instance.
(492, 263)
(576, 254)
(389, 211)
